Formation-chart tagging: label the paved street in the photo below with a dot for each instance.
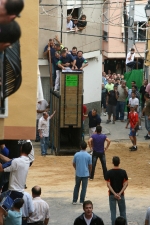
(59, 198)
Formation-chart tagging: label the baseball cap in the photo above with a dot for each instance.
(132, 106)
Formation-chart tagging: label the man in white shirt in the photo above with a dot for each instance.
(130, 59)
(41, 214)
(69, 22)
(27, 208)
(18, 173)
(134, 101)
(43, 128)
(42, 106)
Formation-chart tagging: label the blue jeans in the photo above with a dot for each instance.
(78, 181)
(102, 159)
(37, 133)
(147, 123)
(120, 109)
(122, 207)
(44, 145)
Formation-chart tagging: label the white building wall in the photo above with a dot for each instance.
(92, 77)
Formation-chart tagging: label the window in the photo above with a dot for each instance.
(76, 12)
(140, 35)
(105, 36)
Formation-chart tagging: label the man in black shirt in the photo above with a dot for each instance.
(88, 217)
(94, 120)
(111, 103)
(66, 60)
(143, 91)
(117, 182)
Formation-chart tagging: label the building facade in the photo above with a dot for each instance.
(114, 43)
(53, 22)
(21, 107)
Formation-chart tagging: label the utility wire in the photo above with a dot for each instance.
(109, 3)
(90, 35)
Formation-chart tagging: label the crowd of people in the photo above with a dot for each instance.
(75, 23)
(61, 58)
(117, 97)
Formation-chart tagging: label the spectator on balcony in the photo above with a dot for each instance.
(9, 10)
(75, 23)
(130, 59)
(65, 48)
(66, 60)
(74, 52)
(82, 23)
(80, 61)
(69, 24)
(49, 49)
(58, 69)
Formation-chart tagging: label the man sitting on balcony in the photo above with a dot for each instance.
(130, 59)
(66, 60)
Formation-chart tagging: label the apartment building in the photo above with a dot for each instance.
(114, 43)
(19, 119)
(53, 22)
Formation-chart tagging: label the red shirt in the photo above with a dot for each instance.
(133, 117)
(84, 111)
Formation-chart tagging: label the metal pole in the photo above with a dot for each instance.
(131, 25)
(130, 40)
(61, 2)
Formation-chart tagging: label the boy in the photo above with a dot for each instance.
(14, 216)
(57, 81)
(103, 97)
(133, 120)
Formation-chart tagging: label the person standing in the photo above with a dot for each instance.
(27, 208)
(146, 111)
(94, 120)
(109, 86)
(84, 110)
(121, 101)
(143, 91)
(134, 121)
(82, 162)
(88, 217)
(111, 103)
(42, 106)
(43, 128)
(41, 214)
(117, 182)
(18, 173)
(103, 99)
(13, 216)
(96, 144)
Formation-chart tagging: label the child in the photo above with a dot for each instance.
(103, 99)
(14, 216)
(134, 121)
(82, 22)
(57, 81)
